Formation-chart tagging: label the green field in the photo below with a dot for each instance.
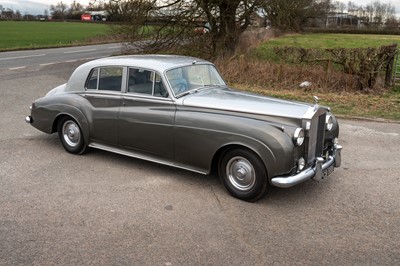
(27, 35)
(324, 41)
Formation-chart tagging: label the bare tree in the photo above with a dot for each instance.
(75, 10)
(96, 5)
(351, 7)
(292, 15)
(17, 15)
(390, 12)
(379, 11)
(174, 23)
(59, 10)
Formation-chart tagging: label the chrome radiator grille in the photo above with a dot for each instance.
(316, 137)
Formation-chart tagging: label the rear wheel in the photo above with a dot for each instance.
(71, 136)
(243, 174)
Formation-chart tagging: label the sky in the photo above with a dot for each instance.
(395, 3)
(36, 7)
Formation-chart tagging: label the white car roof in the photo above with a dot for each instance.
(159, 63)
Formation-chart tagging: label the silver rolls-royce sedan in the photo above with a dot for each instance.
(178, 111)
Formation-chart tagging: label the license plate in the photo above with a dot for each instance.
(328, 171)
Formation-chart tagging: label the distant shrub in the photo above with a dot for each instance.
(364, 63)
(276, 76)
(354, 31)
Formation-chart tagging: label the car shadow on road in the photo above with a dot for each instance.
(308, 191)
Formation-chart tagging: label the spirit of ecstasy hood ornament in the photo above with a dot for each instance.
(316, 99)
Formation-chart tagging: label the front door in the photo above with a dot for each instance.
(146, 117)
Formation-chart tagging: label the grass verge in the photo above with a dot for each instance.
(269, 75)
(265, 51)
(386, 105)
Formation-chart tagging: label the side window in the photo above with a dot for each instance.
(159, 88)
(92, 81)
(105, 78)
(110, 78)
(139, 81)
(146, 82)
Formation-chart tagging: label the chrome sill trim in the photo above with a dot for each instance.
(142, 157)
(314, 173)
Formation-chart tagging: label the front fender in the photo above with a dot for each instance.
(200, 136)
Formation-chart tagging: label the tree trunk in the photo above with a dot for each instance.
(227, 37)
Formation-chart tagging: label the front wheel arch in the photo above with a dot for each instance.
(217, 155)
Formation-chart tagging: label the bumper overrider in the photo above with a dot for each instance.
(315, 173)
(29, 119)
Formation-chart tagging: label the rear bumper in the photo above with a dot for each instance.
(315, 173)
(29, 119)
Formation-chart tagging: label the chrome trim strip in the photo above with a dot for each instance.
(142, 157)
(314, 173)
(141, 97)
(103, 95)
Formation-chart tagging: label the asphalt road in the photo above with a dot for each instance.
(17, 60)
(107, 209)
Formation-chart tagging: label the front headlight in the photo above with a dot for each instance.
(298, 137)
(328, 122)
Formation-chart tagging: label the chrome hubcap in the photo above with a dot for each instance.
(240, 173)
(71, 133)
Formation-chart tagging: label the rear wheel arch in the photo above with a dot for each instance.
(80, 120)
(71, 135)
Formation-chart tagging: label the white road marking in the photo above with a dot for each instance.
(16, 68)
(80, 51)
(48, 64)
(18, 57)
(68, 61)
(113, 47)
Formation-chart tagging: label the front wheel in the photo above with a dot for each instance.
(71, 136)
(243, 174)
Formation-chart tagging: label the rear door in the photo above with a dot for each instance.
(103, 91)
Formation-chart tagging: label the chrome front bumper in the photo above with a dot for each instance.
(315, 173)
